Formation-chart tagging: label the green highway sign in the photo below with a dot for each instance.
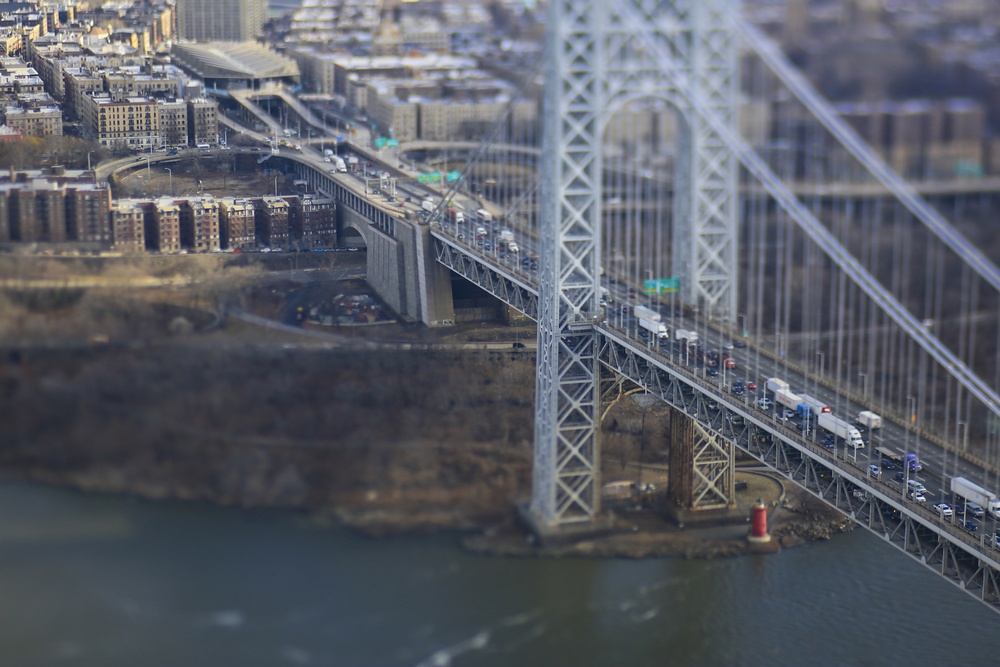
(454, 176)
(392, 142)
(662, 285)
(433, 177)
(380, 142)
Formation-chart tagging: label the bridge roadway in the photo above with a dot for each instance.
(972, 562)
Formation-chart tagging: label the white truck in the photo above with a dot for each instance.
(338, 164)
(974, 493)
(686, 335)
(841, 429)
(776, 384)
(428, 205)
(484, 215)
(869, 419)
(352, 162)
(327, 152)
(816, 406)
(658, 329)
(513, 247)
(791, 401)
(506, 238)
(643, 313)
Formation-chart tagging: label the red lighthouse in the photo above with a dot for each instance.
(758, 525)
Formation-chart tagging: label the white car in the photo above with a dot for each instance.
(764, 403)
(944, 509)
(918, 496)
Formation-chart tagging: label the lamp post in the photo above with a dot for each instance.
(89, 153)
(911, 416)
(864, 385)
(822, 364)
(170, 175)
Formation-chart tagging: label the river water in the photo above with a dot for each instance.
(108, 581)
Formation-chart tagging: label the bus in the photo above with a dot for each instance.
(203, 147)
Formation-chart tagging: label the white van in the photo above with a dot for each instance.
(914, 485)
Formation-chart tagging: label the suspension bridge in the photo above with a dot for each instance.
(684, 166)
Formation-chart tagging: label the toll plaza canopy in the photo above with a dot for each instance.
(225, 65)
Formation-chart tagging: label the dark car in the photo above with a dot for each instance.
(900, 477)
(712, 370)
(518, 346)
(971, 526)
(888, 465)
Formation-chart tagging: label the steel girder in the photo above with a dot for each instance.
(971, 564)
(566, 483)
(493, 279)
(686, 52)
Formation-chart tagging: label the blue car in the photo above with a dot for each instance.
(971, 526)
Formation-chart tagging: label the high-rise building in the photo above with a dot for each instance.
(220, 20)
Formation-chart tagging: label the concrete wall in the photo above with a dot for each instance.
(403, 271)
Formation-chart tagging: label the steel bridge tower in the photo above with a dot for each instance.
(601, 54)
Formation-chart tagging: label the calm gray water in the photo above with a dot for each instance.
(108, 581)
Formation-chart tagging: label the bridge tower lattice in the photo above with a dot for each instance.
(599, 58)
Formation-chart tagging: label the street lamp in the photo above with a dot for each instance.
(864, 382)
(822, 364)
(170, 175)
(911, 416)
(89, 153)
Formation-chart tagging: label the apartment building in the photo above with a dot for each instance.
(133, 122)
(128, 225)
(162, 225)
(203, 121)
(87, 207)
(313, 222)
(272, 221)
(44, 120)
(199, 223)
(237, 222)
(173, 122)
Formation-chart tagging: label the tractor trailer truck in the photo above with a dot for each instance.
(841, 429)
(974, 493)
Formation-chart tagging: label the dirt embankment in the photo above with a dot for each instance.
(387, 440)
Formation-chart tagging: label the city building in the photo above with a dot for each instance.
(128, 225)
(173, 122)
(237, 223)
(132, 123)
(41, 120)
(272, 221)
(220, 20)
(87, 207)
(199, 223)
(203, 121)
(313, 222)
(162, 225)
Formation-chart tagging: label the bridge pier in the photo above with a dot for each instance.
(701, 486)
(403, 270)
